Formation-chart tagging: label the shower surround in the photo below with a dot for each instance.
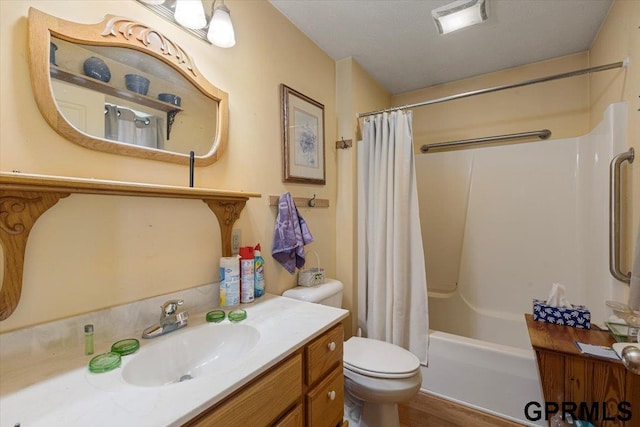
(500, 225)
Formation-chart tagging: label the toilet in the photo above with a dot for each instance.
(377, 375)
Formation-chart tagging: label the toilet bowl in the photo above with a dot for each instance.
(377, 375)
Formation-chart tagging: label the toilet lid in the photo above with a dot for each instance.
(379, 359)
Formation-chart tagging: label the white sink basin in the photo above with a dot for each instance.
(190, 353)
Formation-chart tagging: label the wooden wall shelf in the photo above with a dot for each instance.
(23, 198)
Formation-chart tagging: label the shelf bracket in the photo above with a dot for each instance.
(171, 117)
(19, 211)
(227, 212)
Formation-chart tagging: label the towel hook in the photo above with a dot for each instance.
(312, 201)
(342, 144)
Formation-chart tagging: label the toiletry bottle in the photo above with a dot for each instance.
(259, 272)
(88, 339)
(247, 279)
(229, 281)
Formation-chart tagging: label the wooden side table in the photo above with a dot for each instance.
(599, 390)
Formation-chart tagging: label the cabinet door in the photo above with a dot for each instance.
(576, 379)
(325, 402)
(632, 396)
(607, 389)
(552, 375)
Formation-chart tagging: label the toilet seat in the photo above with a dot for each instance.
(379, 359)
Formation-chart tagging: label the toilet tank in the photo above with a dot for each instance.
(329, 293)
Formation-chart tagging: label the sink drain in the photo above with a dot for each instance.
(185, 377)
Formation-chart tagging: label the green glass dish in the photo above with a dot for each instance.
(215, 316)
(126, 346)
(237, 315)
(105, 362)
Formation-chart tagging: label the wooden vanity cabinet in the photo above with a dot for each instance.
(306, 389)
(324, 379)
(603, 387)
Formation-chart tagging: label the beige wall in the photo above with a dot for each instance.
(91, 252)
(356, 92)
(619, 38)
(568, 107)
(561, 106)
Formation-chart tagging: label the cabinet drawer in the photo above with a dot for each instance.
(325, 403)
(261, 402)
(323, 354)
(295, 418)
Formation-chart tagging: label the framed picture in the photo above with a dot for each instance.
(302, 138)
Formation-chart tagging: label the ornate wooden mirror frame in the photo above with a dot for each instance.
(116, 32)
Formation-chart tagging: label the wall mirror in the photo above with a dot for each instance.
(121, 87)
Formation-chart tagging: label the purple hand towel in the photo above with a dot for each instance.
(290, 235)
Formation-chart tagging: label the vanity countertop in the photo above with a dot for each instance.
(59, 390)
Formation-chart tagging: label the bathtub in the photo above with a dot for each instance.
(500, 225)
(492, 378)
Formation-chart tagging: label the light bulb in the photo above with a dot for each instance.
(190, 14)
(221, 31)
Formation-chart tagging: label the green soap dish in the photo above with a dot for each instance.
(215, 316)
(126, 346)
(237, 315)
(104, 362)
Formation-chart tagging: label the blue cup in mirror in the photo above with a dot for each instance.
(170, 98)
(96, 68)
(137, 83)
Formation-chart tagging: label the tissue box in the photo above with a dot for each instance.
(578, 316)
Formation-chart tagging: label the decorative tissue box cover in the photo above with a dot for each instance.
(578, 316)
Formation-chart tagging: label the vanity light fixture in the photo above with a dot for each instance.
(459, 14)
(190, 14)
(221, 31)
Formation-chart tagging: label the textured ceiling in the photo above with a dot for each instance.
(398, 44)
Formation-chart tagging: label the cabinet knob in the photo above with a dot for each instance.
(331, 395)
(331, 346)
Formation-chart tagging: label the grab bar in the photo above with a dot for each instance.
(542, 134)
(614, 214)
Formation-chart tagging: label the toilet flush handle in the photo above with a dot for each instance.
(331, 346)
(331, 395)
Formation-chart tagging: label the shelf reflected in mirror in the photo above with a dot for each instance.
(111, 111)
(86, 81)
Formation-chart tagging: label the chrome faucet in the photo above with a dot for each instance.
(170, 320)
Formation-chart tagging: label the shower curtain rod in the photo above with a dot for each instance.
(542, 134)
(621, 64)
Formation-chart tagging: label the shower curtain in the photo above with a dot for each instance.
(392, 284)
(124, 125)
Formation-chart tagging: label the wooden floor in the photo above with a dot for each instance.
(426, 410)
